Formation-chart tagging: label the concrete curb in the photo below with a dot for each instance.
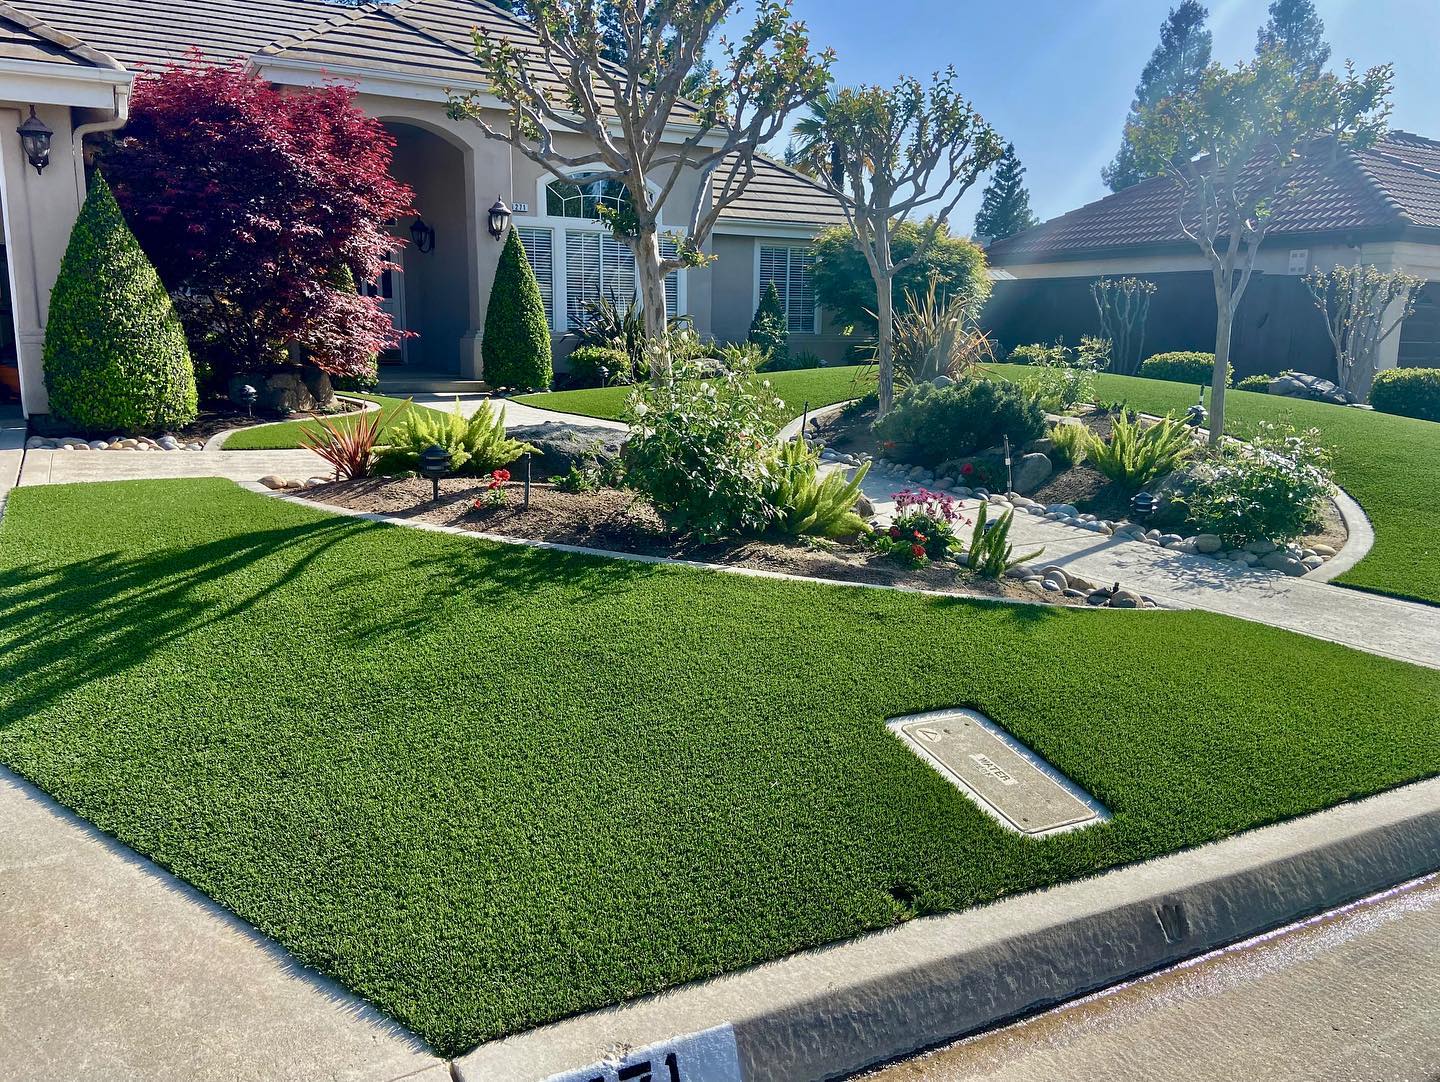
(828, 1012)
(1359, 539)
(635, 557)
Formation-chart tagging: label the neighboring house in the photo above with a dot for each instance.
(401, 58)
(1377, 206)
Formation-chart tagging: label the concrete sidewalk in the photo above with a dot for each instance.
(111, 969)
(1378, 625)
(12, 449)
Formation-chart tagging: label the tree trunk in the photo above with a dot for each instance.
(885, 341)
(652, 296)
(1224, 323)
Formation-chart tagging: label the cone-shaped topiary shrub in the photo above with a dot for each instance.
(516, 347)
(115, 353)
(768, 329)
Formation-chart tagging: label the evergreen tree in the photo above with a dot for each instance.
(1174, 68)
(1295, 28)
(516, 346)
(115, 353)
(1005, 208)
(769, 329)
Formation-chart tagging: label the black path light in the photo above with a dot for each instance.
(1197, 415)
(245, 396)
(435, 464)
(35, 139)
(422, 235)
(499, 216)
(1142, 506)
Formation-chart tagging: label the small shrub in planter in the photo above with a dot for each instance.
(930, 424)
(1409, 392)
(115, 353)
(1182, 368)
(923, 528)
(700, 449)
(516, 346)
(587, 362)
(1270, 486)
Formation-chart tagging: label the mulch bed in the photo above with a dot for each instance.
(620, 521)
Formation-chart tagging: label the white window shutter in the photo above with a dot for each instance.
(582, 273)
(539, 252)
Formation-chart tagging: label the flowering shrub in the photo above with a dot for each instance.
(923, 528)
(1269, 486)
(701, 449)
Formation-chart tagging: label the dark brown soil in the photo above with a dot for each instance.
(621, 521)
(1087, 490)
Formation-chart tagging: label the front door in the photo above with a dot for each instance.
(390, 289)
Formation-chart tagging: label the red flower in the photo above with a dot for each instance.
(917, 551)
(895, 533)
(967, 469)
(919, 536)
(479, 505)
(501, 475)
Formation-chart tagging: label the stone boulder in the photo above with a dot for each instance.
(559, 446)
(1031, 471)
(293, 390)
(1303, 385)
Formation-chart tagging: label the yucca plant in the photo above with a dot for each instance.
(477, 444)
(348, 443)
(805, 502)
(1134, 455)
(990, 553)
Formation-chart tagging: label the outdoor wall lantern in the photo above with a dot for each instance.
(499, 218)
(422, 235)
(35, 138)
(435, 464)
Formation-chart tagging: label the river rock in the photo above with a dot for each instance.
(1304, 385)
(1208, 543)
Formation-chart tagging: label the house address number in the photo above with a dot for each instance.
(708, 1056)
(520, 208)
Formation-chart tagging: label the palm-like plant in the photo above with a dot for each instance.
(808, 140)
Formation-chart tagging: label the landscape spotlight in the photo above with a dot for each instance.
(435, 464)
(245, 396)
(1142, 506)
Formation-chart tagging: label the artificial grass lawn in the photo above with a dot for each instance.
(1391, 465)
(817, 386)
(487, 786)
(286, 434)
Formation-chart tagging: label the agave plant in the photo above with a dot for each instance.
(348, 444)
(805, 502)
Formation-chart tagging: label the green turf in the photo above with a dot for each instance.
(488, 786)
(817, 386)
(1391, 465)
(286, 434)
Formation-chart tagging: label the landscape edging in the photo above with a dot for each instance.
(827, 1012)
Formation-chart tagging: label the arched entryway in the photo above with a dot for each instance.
(431, 295)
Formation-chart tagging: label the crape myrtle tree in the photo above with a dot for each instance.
(905, 150)
(1362, 306)
(1124, 308)
(620, 114)
(259, 209)
(1267, 135)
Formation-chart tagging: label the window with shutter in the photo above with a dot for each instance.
(582, 273)
(789, 269)
(539, 251)
(668, 250)
(618, 281)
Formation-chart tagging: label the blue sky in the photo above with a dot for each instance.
(1056, 76)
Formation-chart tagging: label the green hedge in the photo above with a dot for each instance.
(586, 362)
(1410, 392)
(1182, 368)
(516, 347)
(115, 354)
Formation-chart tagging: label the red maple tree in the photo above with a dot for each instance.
(261, 208)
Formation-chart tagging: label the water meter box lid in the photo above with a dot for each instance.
(1006, 779)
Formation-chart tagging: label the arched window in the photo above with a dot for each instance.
(580, 197)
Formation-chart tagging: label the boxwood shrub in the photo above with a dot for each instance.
(1182, 367)
(116, 360)
(586, 361)
(1410, 392)
(929, 425)
(516, 346)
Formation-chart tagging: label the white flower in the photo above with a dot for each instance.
(641, 409)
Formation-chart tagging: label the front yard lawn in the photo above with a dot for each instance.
(1391, 465)
(817, 386)
(488, 786)
(286, 434)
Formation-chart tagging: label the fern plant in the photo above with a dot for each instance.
(477, 444)
(1072, 443)
(990, 553)
(1134, 455)
(805, 502)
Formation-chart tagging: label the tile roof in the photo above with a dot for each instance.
(1394, 184)
(24, 37)
(780, 195)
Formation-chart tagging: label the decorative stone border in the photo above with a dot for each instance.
(115, 443)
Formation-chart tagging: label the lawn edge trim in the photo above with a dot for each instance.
(701, 565)
(217, 441)
(827, 1012)
(1359, 539)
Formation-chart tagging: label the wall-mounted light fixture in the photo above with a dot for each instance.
(35, 138)
(499, 218)
(422, 235)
